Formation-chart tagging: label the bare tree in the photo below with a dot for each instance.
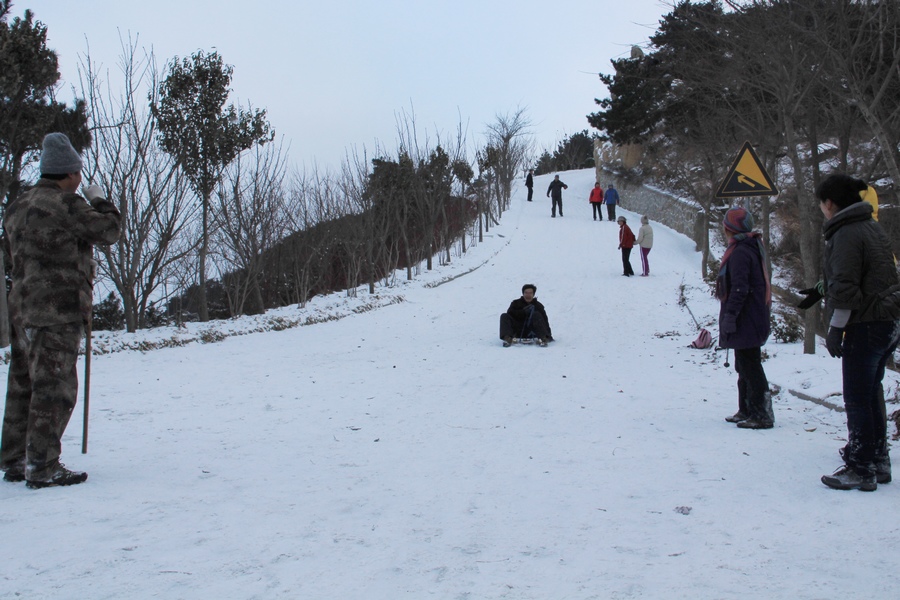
(509, 135)
(249, 218)
(306, 254)
(152, 195)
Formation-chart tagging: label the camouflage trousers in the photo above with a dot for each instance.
(40, 396)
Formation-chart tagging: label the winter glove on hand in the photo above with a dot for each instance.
(813, 295)
(94, 192)
(834, 342)
(729, 324)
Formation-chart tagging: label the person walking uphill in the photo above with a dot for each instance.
(612, 199)
(745, 297)
(555, 189)
(645, 242)
(863, 291)
(51, 231)
(596, 200)
(529, 183)
(626, 243)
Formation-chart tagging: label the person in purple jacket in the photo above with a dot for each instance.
(745, 294)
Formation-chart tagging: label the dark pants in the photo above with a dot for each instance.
(611, 212)
(754, 399)
(556, 202)
(598, 210)
(866, 349)
(534, 326)
(626, 262)
(530, 192)
(40, 396)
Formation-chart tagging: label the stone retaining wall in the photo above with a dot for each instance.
(684, 216)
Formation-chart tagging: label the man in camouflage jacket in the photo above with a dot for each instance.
(50, 231)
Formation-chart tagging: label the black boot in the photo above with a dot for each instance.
(61, 476)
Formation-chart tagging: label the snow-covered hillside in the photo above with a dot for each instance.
(401, 452)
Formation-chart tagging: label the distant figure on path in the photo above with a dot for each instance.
(555, 188)
(596, 200)
(612, 199)
(525, 318)
(645, 242)
(745, 298)
(529, 183)
(626, 243)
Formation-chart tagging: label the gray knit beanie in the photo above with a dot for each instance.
(58, 157)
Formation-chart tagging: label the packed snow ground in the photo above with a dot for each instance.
(401, 452)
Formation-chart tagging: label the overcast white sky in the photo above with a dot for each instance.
(334, 74)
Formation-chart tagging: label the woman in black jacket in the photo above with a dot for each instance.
(863, 291)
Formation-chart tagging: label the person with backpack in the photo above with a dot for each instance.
(626, 243)
(612, 199)
(596, 200)
(862, 289)
(525, 318)
(745, 298)
(555, 189)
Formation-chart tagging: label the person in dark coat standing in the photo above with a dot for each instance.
(626, 243)
(525, 317)
(612, 200)
(745, 297)
(596, 200)
(863, 291)
(529, 183)
(555, 189)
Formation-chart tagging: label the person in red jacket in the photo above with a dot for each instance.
(596, 200)
(626, 243)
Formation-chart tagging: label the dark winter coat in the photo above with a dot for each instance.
(529, 181)
(744, 312)
(518, 310)
(555, 189)
(860, 273)
(51, 235)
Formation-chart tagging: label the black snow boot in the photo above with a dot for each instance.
(61, 476)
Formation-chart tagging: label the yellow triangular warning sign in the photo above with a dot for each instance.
(747, 177)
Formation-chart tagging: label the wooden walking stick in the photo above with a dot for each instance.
(87, 367)
(87, 384)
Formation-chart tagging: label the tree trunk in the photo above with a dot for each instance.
(809, 234)
(201, 271)
(129, 306)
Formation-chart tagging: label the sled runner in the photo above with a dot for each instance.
(528, 341)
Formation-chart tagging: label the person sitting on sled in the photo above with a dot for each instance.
(525, 318)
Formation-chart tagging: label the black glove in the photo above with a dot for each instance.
(834, 342)
(728, 324)
(813, 295)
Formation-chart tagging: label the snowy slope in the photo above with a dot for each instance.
(403, 453)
